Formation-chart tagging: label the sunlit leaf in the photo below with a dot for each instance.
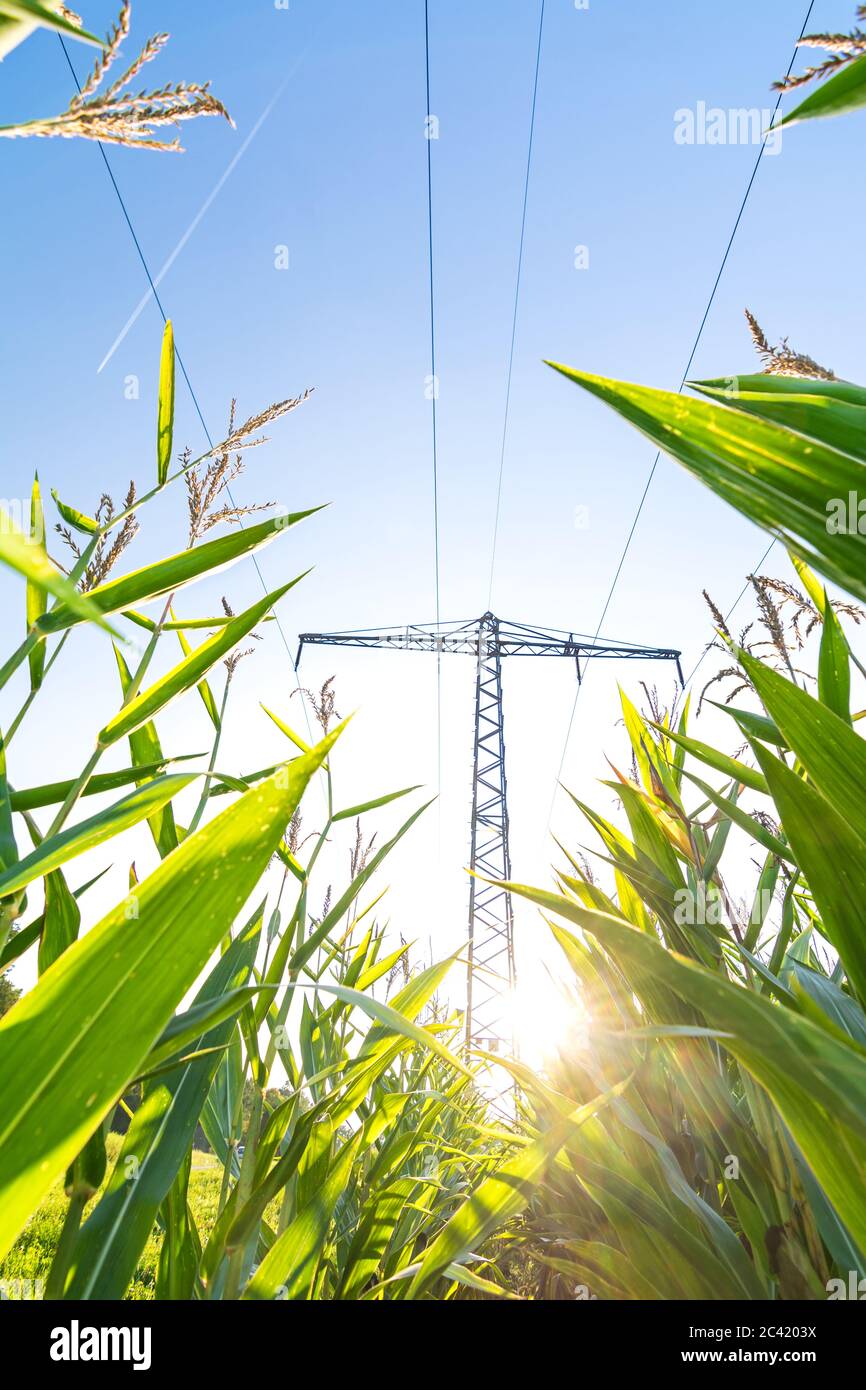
(70, 1046)
(189, 671)
(165, 413)
(164, 576)
(37, 596)
(842, 94)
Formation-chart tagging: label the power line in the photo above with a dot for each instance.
(516, 303)
(680, 388)
(183, 369)
(434, 389)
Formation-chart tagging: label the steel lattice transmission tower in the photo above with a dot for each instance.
(491, 973)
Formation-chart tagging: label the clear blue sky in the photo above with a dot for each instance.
(337, 173)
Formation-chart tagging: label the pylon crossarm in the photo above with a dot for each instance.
(500, 638)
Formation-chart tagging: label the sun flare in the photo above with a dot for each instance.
(548, 1017)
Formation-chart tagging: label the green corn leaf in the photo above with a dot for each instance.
(818, 416)
(376, 1224)
(31, 14)
(833, 858)
(227, 783)
(8, 847)
(165, 413)
(30, 560)
(222, 1098)
(189, 671)
(310, 1044)
(786, 929)
(376, 970)
(160, 1134)
(837, 1239)
(764, 890)
(497, 1199)
(843, 93)
(69, 1047)
(77, 520)
(839, 1007)
(760, 384)
(24, 939)
(754, 725)
(731, 767)
(679, 754)
(54, 793)
(811, 583)
(649, 837)
(650, 764)
(239, 1222)
(284, 729)
(352, 811)
(381, 1045)
(14, 944)
(635, 869)
(716, 847)
(61, 922)
(37, 597)
(93, 831)
(407, 1003)
(289, 1269)
(85, 1175)
(166, 576)
(831, 752)
(180, 1252)
(822, 1099)
(145, 749)
(315, 939)
(460, 1275)
(150, 1074)
(775, 985)
(735, 1269)
(787, 483)
(192, 1025)
(203, 687)
(834, 667)
(316, 1161)
(739, 817)
(174, 624)
(390, 1020)
(11, 907)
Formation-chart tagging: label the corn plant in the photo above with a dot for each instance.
(733, 1163)
(730, 1161)
(334, 1183)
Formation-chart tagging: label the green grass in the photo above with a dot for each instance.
(31, 1255)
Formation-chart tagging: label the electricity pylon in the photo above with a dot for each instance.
(491, 970)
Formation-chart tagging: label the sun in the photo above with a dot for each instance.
(548, 1017)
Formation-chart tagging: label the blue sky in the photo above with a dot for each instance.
(337, 173)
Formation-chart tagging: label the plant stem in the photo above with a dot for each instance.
(141, 669)
(233, 1119)
(75, 792)
(34, 635)
(243, 1190)
(11, 666)
(56, 1281)
(33, 693)
(205, 794)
